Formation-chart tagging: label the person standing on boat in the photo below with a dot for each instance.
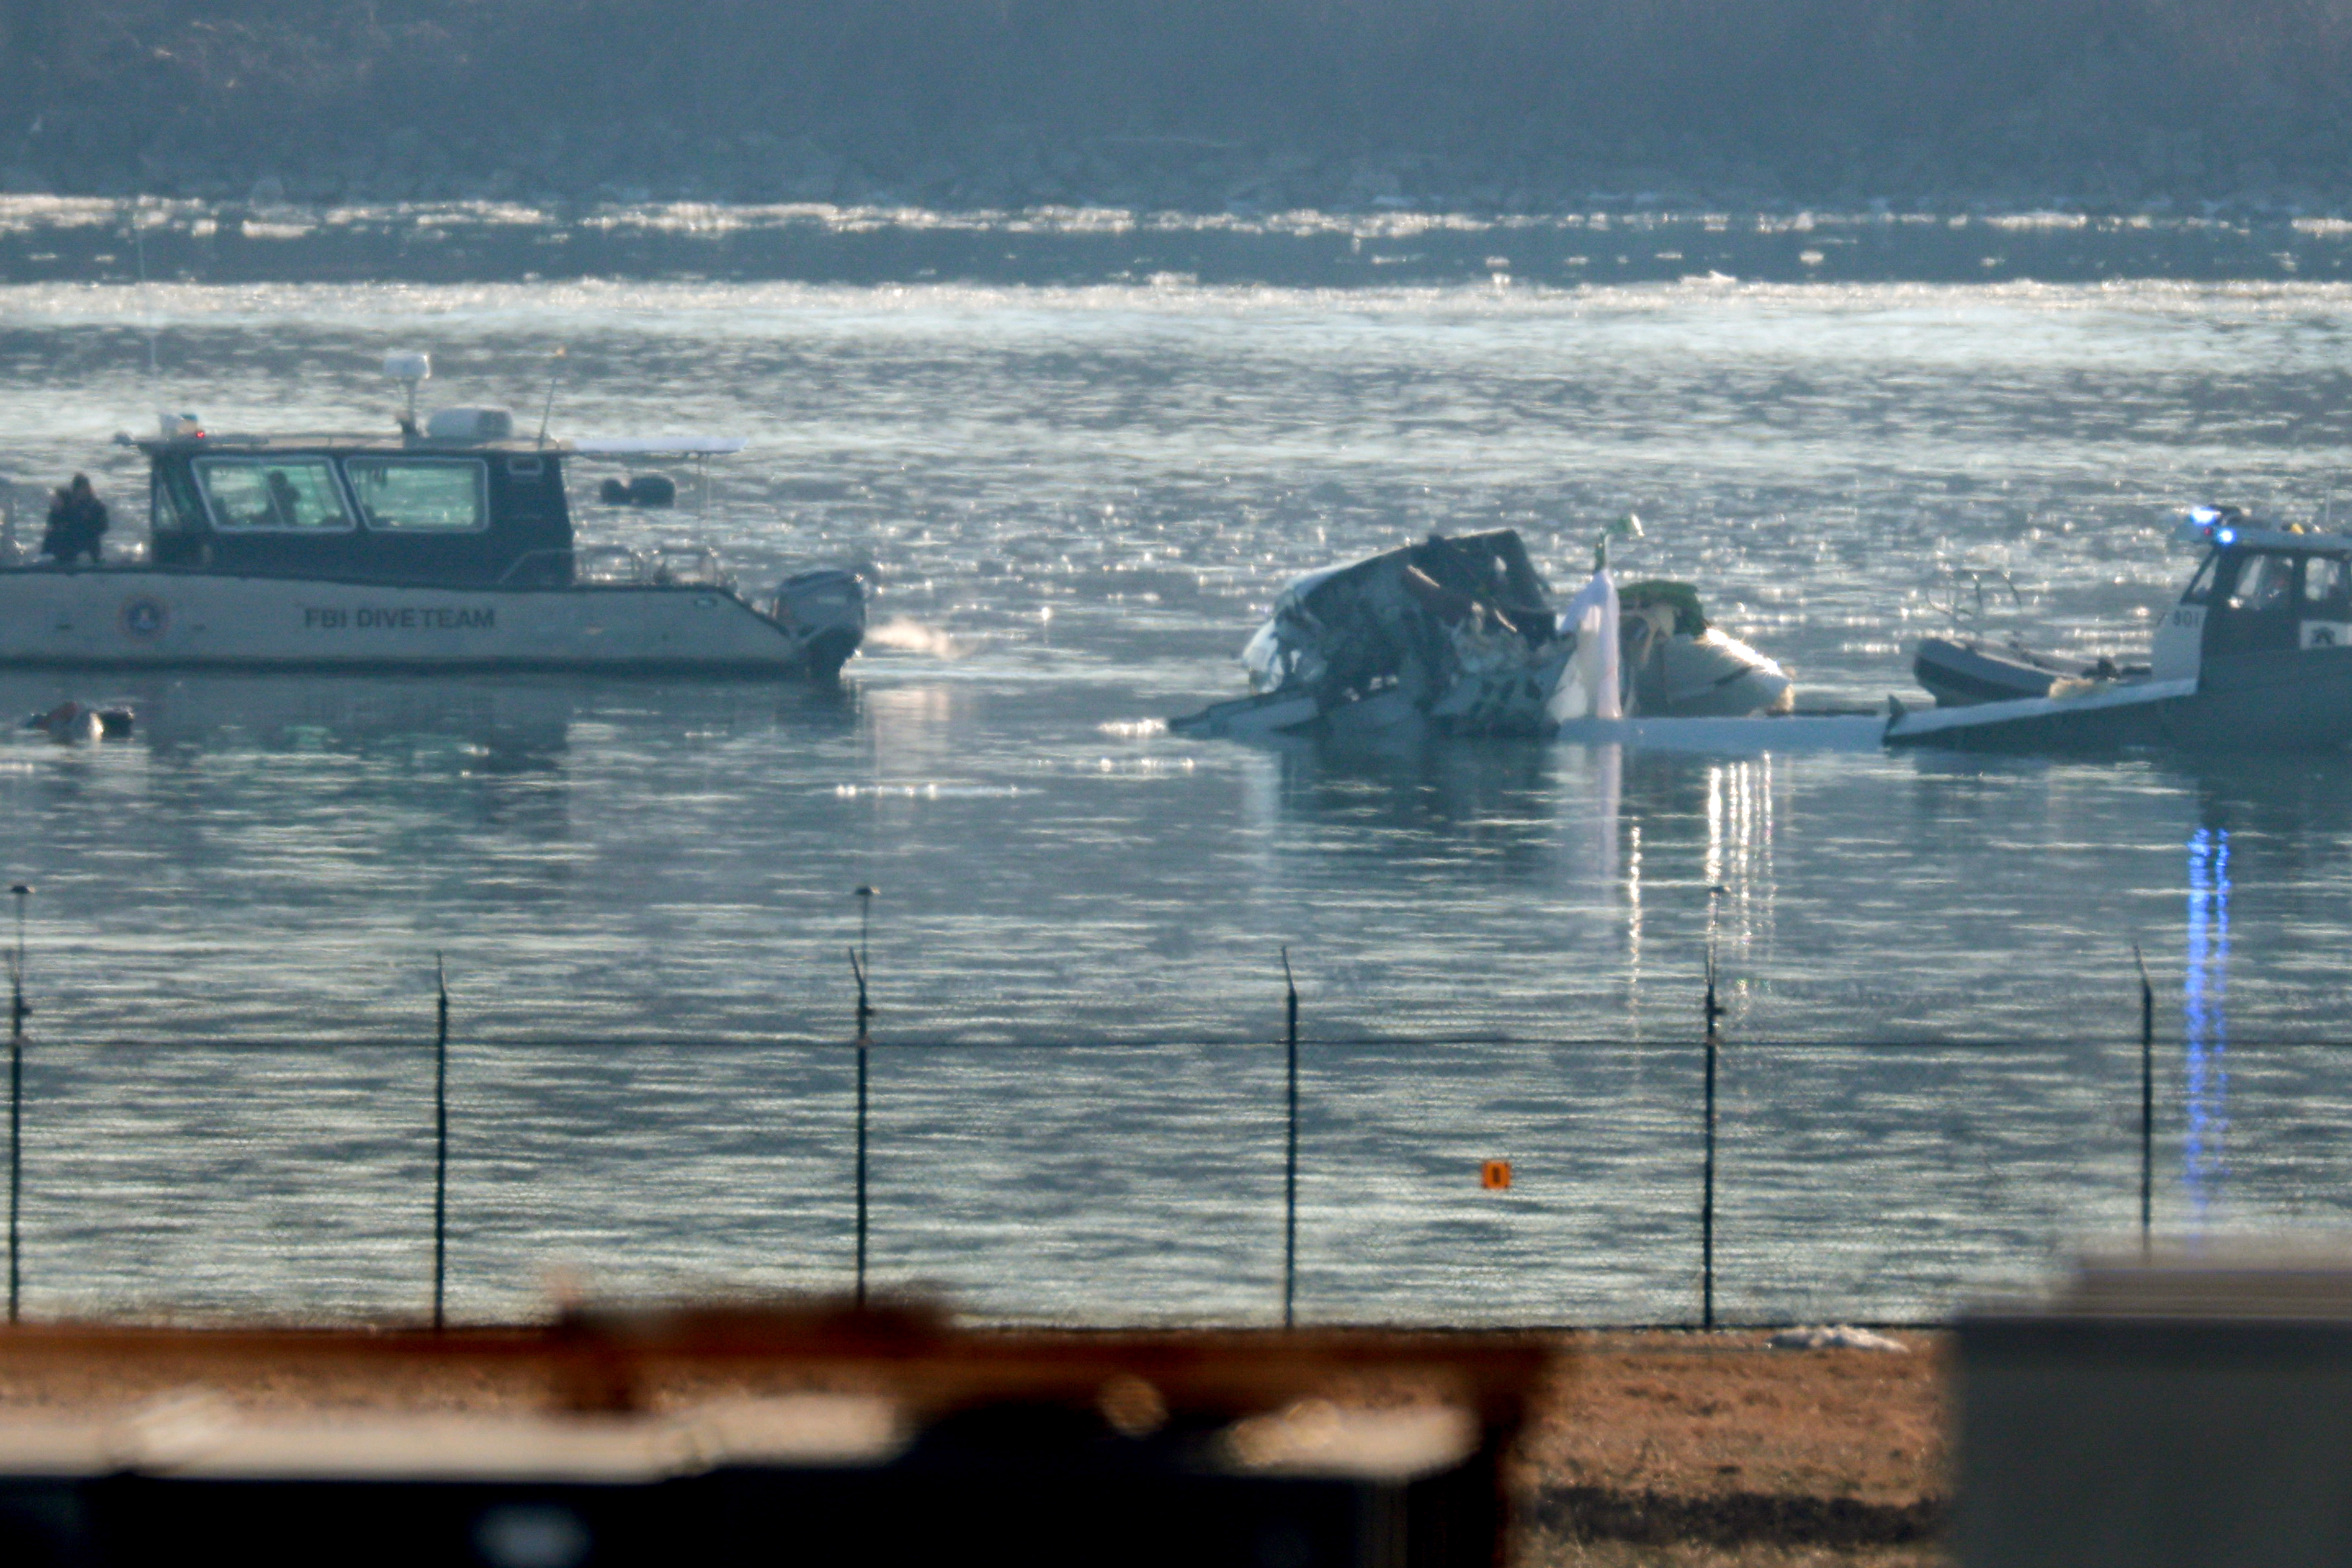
(76, 523)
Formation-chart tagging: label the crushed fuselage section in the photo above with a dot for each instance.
(1460, 635)
(1459, 630)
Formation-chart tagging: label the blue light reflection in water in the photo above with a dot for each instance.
(2207, 1026)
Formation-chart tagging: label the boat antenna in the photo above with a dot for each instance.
(1626, 527)
(554, 379)
(138, 246)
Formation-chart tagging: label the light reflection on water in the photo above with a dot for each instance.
(1135, 472)
(2205, 1022)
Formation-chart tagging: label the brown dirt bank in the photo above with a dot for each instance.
(1713, 1448)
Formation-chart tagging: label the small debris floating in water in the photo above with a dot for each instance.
(1835, 1338)
(914, 636)
(71, 720)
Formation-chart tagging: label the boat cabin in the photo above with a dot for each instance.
(402, 508)
(2265, 591)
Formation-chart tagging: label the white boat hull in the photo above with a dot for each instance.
(139, 618)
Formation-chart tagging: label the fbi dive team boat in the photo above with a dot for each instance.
(446, 548)
(2257, 654)
(1459, 635)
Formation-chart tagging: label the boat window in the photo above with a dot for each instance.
(279, 495)
(2324, 579)
(164, 514)
(2200, 587)
(2262, 582)
(423, 495)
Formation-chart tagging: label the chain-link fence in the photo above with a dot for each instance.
(1128, 1182)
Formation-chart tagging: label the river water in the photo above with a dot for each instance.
(1076, 498)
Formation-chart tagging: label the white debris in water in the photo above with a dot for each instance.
(914, 636)
(1835, 1338)
(927, 792)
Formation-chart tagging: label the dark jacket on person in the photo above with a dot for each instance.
(76, 523)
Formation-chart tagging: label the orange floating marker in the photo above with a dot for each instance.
(1496, 1175)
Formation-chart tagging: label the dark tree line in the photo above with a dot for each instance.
(2193, 95)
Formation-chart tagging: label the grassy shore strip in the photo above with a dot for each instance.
(1715, 1449)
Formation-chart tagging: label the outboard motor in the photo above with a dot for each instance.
(826, 609)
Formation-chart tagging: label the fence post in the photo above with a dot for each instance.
(1706, 1191)
(440, 1140)
(1290, 1152)
(17, 1012)
(2147, 1104)
(857, 965)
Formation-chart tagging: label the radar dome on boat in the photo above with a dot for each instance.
(410, 368)
(470, 424)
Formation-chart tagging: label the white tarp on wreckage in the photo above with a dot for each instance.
(1589, 688)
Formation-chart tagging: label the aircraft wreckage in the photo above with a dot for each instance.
(1460, 635)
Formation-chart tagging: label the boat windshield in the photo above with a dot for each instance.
(440, 495)
(2262, 585)
(2326, 581)
(2200, 587)
(278, 495)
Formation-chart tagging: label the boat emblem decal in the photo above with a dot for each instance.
(145, 618)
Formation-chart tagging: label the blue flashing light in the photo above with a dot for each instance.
(2204, 516)
(2227, 536)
